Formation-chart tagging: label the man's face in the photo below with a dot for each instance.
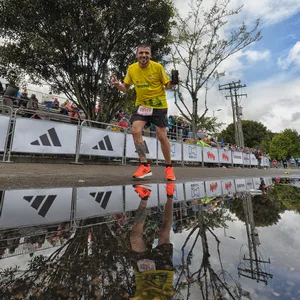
(143, 56)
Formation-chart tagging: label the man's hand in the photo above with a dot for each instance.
(114, 81)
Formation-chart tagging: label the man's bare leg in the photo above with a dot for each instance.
(161, 134)
(137, 129)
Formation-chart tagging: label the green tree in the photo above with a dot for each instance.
(200, 49)
(254, 133)
(285, 144)
(73, 45)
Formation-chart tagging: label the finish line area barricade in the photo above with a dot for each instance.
(53, 135)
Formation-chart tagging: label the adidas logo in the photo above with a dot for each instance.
(44, 139)
(102, 198)
(101, 145)
(39, 204)
(146, 146)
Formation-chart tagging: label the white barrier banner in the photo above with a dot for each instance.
(132, 198)
(240, 185)
(213, 188)
(175, 151)
(237, 158)
(249, 183)
(4, 123)
(194, 190)
(178, 193)
(256, 182)
(268, 181)
(98, 201)
(150, 144)
(265, 162)
(37, 136)
(246, 159)
(192, 153)
(225, 156)
(253, 160)
(36, 207)
(100, 142)
(210, 155)
(228, 186)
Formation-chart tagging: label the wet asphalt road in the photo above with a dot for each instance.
(35, 175)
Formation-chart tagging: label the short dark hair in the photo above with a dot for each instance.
(143, 46)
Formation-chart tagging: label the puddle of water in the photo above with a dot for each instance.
(219, 239)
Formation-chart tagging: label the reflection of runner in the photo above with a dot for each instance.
(153, 267)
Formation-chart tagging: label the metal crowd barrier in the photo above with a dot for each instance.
(33, 136)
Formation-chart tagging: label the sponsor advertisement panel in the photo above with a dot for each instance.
(35, 207)
(192, 153)
(249, 183)
(194, 190)
(228, 186)
(225, 156)
(213, 188)
(246, 159)
(100, 142)
(36, 136)
(4, 122)
(240, 185)
(175, 151)
(237, 158)
(256, 182)
(150, 144)
(210, 155)
(253, 160)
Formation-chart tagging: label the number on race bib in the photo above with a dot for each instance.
(145, 111)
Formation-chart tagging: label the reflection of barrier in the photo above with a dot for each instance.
(5, 121)
(22, 208)
(56, 138)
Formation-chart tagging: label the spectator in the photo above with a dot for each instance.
(75, 111)
(23, 100)
(292, 161)
(55, 103)
(274, 162)
(258, 155)
(285, 163)
(123, 123)
(298, 161)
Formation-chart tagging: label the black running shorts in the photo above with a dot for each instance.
(159, 117)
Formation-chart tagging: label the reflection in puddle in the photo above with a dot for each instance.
(219, 239)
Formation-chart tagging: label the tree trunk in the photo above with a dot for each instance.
(195, 116)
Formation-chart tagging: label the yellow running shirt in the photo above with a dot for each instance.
(149, 84)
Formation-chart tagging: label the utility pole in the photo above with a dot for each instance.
(233, 88)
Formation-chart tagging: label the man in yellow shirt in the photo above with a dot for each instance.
(150, 80)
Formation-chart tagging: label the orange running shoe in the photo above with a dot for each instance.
(144, 191)
(142, 172)
(170, 189)
(169, 173)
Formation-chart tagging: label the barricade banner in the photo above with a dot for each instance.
(256, 182)
(175, 151)
(132, 199)
(265, 161)
(240, 185)
(4, 123)
(194, 190)
(149, 142)
(225, 156)
(99, 201)
(268, 181)
(101, 142)
(213, 188)
(210, 155)
(253, 160)
(37, 136)
(246, 159)
(237, 158)
(228, 186)
(192, 153)
(178, 194)
(35, 207)
(249, 183)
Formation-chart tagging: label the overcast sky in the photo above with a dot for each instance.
(270, 67)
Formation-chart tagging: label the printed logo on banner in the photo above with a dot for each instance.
(105, 142)
(44, 139)
(173, 150)
(37, 203)
(228, 185)
(211, 156)
(246, 158)
(225, 157)
(237, 156)
(146, 146)
(192, 152)
(102, 198)
(240, 185)
(213, 186)
(195, 191)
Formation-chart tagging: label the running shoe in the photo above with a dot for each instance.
(144, 191)
(142, 172)
(169, 173)
(170, 189)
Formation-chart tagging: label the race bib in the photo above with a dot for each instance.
(145, 111)
(146, 265)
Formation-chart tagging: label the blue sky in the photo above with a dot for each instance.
(270, 67)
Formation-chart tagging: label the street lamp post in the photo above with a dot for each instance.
(216, 110)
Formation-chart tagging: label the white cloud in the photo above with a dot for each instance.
(293, 58)
(254, 56)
